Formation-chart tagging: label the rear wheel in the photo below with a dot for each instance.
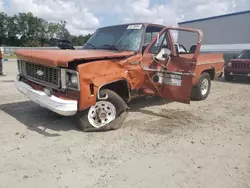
(105, 115)
(202, 89)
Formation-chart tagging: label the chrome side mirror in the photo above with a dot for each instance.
(163, 54)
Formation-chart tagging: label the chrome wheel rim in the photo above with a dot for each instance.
(204, 86)
(101, 114)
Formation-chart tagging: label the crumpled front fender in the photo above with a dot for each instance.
(96, 75)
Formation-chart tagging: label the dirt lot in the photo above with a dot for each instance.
(205, 144)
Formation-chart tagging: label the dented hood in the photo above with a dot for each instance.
(62, 58)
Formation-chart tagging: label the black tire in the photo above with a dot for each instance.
(197, 92)
(228, 77)
(221, 74)
(121, 107)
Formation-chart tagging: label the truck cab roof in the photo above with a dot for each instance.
(145, 24)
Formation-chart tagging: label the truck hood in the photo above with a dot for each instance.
(61, 58)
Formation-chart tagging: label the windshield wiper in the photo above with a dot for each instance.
(91, 45)
(112, 47)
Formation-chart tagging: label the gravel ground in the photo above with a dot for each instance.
(204, 144)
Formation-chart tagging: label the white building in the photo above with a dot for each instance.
(225, 33)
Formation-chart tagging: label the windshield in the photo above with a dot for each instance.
(244, 55)
(119, 38)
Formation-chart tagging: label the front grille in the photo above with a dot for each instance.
(49, 76)
(241, 65)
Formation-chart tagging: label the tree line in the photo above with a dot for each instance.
(25, 29)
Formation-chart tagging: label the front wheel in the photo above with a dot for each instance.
(202, 89)
(105, 115)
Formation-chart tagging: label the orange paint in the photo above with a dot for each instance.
(110, 66)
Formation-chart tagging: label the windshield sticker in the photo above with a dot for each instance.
(134, 26)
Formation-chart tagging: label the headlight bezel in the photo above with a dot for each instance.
(65, 79)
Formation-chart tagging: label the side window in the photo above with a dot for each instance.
(162, 41)
(150, 33)
(185, 39)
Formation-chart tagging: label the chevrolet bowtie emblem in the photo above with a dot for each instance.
(39, 73)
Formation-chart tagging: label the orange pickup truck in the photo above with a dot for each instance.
(118, 63)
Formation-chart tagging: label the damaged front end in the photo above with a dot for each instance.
(51, 87)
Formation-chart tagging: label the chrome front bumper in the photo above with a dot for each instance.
(53, 103)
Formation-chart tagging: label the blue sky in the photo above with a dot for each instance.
(109, 19)
(84, 16)
(6, 3)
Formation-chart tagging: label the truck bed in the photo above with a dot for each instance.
(207, 58)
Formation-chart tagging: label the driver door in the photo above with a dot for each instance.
(169, 74)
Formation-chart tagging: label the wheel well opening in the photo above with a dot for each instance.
(211, 72)
(120, 87)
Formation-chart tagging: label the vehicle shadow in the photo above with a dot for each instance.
(145, 101)
(42, 120)
(167, 120)
(38, 119)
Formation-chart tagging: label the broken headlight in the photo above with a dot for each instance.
(70, 79)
